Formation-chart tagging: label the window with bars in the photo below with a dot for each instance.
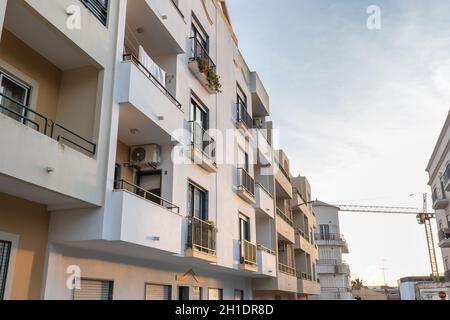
(99, 8)
(94, 290)
(5, 251)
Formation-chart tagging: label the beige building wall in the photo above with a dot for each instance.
(46, 76)
(29, 221)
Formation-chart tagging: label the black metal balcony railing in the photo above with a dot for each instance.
(284, 216)
(99, 8)
(245, 181)
(284, 172)
(177, 8)
(41, 123)
(243, 115)
(446, 176)
(201, 236)
(248, 253)
(286, 269)
(61, 134)
(24, 114)
(131, 58)
(201, 140)
(200, 54)
(146, 195)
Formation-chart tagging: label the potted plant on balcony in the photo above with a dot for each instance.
(211, 76)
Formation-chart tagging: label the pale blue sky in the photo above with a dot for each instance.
(359, 111)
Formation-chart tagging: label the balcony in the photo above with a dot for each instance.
(287, 279)
(333, 266)
(146, 105)
(260, 98)
(267, 261)
(282, 181)
(144, 219)
(248, 260)
(203, 148)
(201, 243)
(285, 226)
(204, 68)
(244, 121)
(264, 202)
(306, 284)
(162, 22)
(446, 178)
(439, 200)
(332, 239)
(54, 152)
(444, 237)
(333, 293)
(302, 242)
(265, 151)
(246, 186)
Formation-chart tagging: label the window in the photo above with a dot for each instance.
(197, 202)
(94, 290)
(199, 114)
(215, 294)
(241, 97)
(183, 293)
(13, 94)
(244, 228)
(5, 251)
(158, 292)
(324, 231)
(238, 294)
(99, 8)
(151, 182)
(200, 35)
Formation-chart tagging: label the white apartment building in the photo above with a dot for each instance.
(118, 178)
(333, 272)
(438, 169)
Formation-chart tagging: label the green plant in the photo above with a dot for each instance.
(214, 81)
(211, 76)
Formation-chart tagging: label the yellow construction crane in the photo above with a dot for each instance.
(423, 217)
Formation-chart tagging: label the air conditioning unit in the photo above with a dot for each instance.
(258, 122)
(145, 156)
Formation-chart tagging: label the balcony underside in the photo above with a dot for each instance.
(245, 195)
(192, 253)
(308, 287)
(198, 157)
(143, 106)
(445, 243)
(440, 204)
(29, 191)
(38, 34)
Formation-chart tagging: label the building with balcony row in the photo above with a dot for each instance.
(116, 180)
(438, 170)
(333, 272)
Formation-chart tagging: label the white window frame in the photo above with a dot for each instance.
(14, 239)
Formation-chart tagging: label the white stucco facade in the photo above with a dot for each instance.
(438, 169)
(132, 77)
(333, 271)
